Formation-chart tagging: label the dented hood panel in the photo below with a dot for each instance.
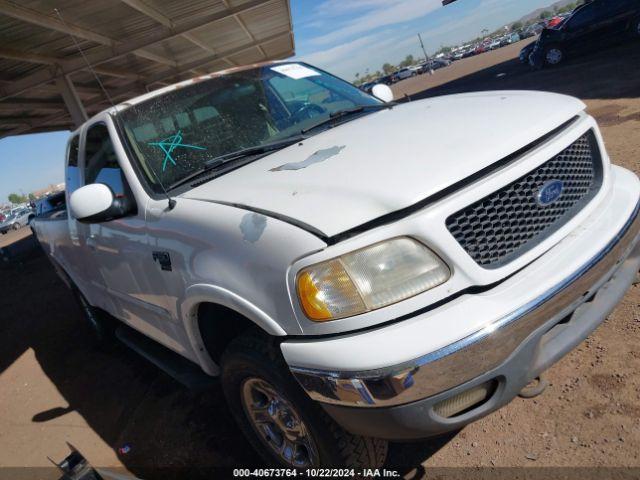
(389, 160)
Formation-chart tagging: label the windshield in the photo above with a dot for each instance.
(177, 133)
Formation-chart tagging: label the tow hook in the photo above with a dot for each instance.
(535, 387)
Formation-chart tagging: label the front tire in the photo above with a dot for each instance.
(553, 55)
(280, 421)
(15, 226)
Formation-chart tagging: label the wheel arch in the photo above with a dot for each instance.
(202, 309)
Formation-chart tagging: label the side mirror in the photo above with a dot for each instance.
(96, 203)
(382, 92)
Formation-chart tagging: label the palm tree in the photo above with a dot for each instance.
(387, 68)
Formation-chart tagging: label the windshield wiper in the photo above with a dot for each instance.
(333, 116)
(256, 151)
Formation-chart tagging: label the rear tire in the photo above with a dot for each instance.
(15, 226)
(261, 391)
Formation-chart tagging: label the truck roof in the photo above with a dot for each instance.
(160, 91)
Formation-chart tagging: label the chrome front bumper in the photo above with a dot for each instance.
(479, 352)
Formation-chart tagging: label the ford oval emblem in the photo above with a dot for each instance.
(549, 193)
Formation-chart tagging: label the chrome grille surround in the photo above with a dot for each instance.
(507, 223)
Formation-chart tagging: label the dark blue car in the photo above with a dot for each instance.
(591, 26)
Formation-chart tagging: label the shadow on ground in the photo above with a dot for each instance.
(607, 74)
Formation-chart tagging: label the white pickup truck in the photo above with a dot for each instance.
(354, 270)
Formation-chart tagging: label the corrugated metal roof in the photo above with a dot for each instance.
(133, 45)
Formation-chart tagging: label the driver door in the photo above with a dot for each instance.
(119, 247)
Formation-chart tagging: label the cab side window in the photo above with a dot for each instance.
(101, 162)
(583, 17)
(73, 172)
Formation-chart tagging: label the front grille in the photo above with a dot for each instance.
(504, 225)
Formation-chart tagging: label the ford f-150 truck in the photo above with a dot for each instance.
(354, 270)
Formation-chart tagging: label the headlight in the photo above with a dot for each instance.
(368, 279)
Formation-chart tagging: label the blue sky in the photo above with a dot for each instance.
(31, 162)
(341, 36)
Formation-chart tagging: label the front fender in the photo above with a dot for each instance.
(202, 293)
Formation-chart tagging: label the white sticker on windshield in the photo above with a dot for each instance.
(295, 71)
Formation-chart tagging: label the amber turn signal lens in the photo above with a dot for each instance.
(312, 304)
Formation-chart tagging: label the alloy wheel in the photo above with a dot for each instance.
(554, 56)
(278, 424)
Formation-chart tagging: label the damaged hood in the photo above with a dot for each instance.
(389, 160)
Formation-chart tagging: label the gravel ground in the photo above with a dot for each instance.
(54, 387)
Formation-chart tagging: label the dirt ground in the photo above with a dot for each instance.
(54, 387)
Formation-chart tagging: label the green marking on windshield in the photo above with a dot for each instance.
(169, 144)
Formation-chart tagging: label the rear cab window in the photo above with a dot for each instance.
(582, 17)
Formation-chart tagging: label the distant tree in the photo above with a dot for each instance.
(546, 14)
(387, 68)
(408, 60)
(15, 198)
(570, 7)
(516, 26)
(32, 197)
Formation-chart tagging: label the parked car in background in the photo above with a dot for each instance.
(532, 30)
(404, 73)
(440, 63)
(526, 52)
(367, 87)
(495, 44)
(424, 67)
(386, 80)
(513, 38)
(554, 21)
(525, 33)
(434, 64)
(16, 220)
(51, 204)
(591, 26)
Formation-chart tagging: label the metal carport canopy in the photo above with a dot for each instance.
(132, 45)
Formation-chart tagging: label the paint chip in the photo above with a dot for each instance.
(316, 157)
(252, 227)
